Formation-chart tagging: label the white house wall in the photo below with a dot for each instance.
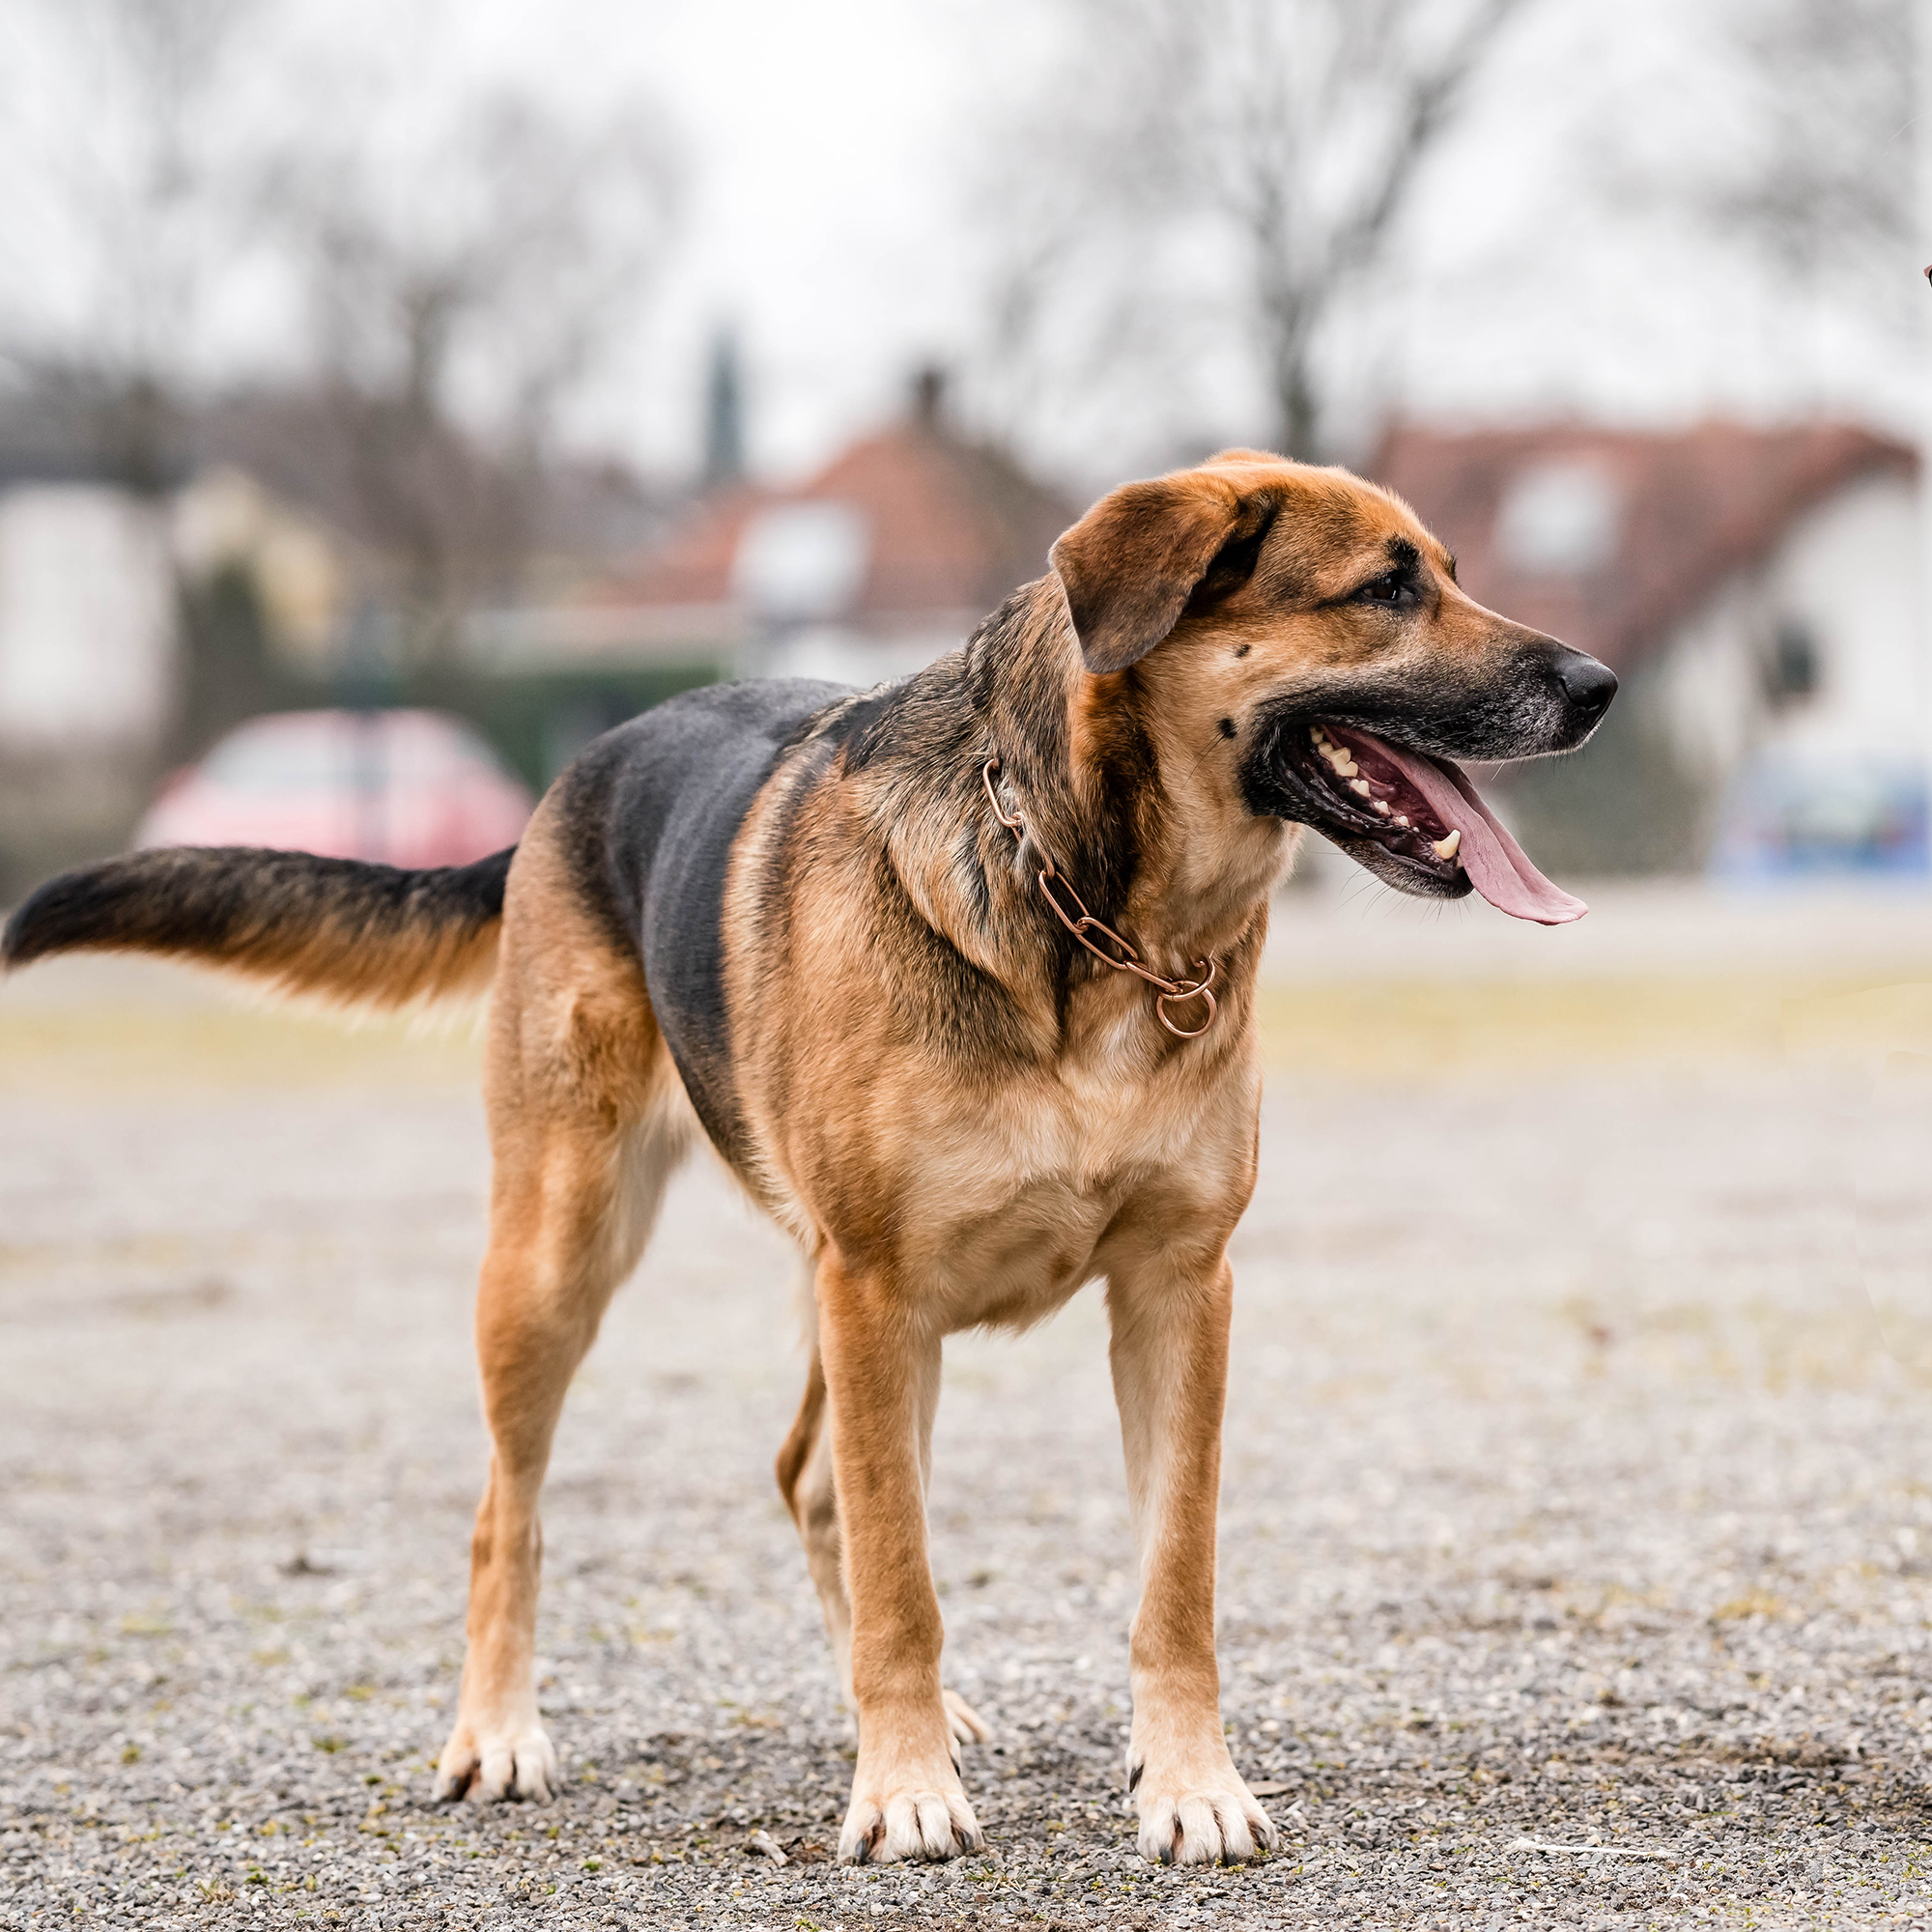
(86, 619)
(1849, 571)
(1710, 679)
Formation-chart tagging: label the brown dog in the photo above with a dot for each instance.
(851, 935)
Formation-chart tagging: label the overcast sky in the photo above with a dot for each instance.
(833, 145)
(831, 148)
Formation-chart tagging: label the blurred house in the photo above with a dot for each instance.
(301, 568)
(148, 603)
(874, 566)
(86, 617)
(459, 572)
(135, 627)
(1759, 593)
(484, 526)
(87, 652)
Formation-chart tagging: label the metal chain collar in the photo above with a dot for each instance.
(1081, 922)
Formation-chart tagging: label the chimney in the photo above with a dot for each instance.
(724, 412)
(929, 397)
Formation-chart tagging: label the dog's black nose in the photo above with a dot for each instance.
(1587, 684)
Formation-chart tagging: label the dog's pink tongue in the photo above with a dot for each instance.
(1498, 867)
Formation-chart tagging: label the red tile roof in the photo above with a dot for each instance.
(1694, 507)
(954, 526)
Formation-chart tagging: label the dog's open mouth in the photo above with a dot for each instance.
(1426, 814)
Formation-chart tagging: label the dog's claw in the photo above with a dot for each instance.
(929, 1824)
(486, 1764)
(1217, 1822)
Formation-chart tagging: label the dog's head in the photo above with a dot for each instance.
(1312, 633)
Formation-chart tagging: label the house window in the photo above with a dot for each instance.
(1560, 518)
(1791, 663)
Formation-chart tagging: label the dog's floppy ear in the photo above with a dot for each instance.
(1136, 560)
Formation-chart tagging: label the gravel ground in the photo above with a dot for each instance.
(1576, 1496)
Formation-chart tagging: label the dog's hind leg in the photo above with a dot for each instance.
(586, 1123)
(810, 1493)
(809, 1484)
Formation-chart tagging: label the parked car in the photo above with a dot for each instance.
(407, 787)
(1843, 811)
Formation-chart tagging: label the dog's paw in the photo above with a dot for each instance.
(486, 1763)
(965, 1723)
(1198, 1815)
(925, 1818)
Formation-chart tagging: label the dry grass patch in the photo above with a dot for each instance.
(1427, 1028)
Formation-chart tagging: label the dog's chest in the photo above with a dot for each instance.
(1018, 1202)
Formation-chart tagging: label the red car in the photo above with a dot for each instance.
(406, 787)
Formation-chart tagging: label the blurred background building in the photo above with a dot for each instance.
(586, 362)
(867, 569)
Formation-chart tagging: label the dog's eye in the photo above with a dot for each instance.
(1389, 591)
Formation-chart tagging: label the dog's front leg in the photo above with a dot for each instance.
(1170, 1362)
(882, 1376)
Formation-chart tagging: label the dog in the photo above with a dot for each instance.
(958, 976)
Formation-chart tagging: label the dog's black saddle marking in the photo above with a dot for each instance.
(653, 810)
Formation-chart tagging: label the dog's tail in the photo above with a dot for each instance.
(350, 932)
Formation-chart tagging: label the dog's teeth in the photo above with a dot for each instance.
(1347, 766)
(1402, 821)
(1381, 805)
(1446, 848)
(1359, 784)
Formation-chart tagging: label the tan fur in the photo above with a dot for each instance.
(938, 1194)
(962, 1116)
(334, 966)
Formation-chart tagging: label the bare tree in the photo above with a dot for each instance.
(136, 207)
(456, 299)
(1264, 150)
(423, 284)
(1816, 171)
